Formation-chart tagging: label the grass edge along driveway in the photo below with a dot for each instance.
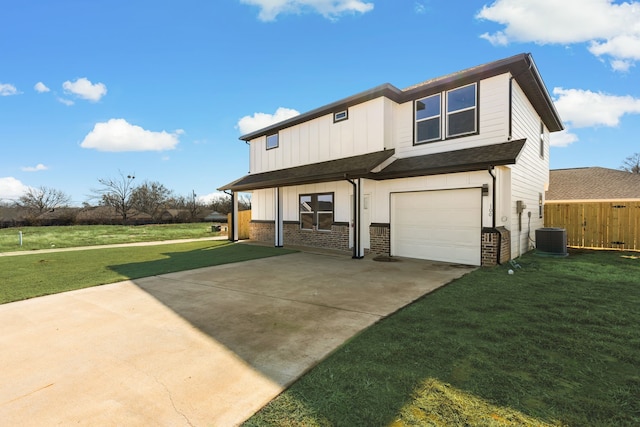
(28, 276)
(556, 343)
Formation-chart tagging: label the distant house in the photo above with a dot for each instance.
(175, 215)
(592, 184)
(216, 217)
(599, 207)
(450, 169)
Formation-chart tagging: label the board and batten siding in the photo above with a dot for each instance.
(381, 190)
(263, 201)
(493, 125)
(321, 139)
(530, 175)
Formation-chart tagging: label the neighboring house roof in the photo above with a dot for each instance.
(592, 184)
(168, 214)
(470, 159)
(216, 217)
(333, 170)
(521, 67)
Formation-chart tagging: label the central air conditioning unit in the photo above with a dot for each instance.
(552, 241)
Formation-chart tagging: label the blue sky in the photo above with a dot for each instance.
(163, 89)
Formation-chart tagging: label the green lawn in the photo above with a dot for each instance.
(556, 343)
(90, 235)
(28, 276)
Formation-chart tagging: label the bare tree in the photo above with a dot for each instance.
(222, 203)
(193, 205)
(117, 192)
(244, 202)
(632, 163)
(151, 198)
(43, 199)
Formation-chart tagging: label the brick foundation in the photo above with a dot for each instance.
(262, 231)
(379, 239)
(337, 238)
(496, 246)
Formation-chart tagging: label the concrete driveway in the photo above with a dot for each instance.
(205, 347)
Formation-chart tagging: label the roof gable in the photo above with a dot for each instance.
(592, 183)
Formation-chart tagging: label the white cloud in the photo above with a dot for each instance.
(258, 121)
(208, 198)
(119, 135)
(11, 188)
(584, 108)
(65, 101)
(330, 9)
(36, 168)
(7, 90)
(41, 87)
(419, 8)
(611, 29)
(83, 88)
(563, 139)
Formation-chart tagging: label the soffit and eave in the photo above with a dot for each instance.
(466, 160)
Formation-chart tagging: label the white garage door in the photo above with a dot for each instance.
(442, 225)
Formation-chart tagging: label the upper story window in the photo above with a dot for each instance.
(272, 141)
(541, 140)
(428, 118)
(460, 119)
(461, 111)
(340, 116)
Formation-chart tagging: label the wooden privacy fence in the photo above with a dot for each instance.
(244, 218)
(614, 225)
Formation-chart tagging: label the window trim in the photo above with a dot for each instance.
(315, 211)
(444, 115)
(461, 110)
(277, 137)
(337, 119)
(541, 139)
(439, 116)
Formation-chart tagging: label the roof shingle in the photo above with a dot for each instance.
(592, 183)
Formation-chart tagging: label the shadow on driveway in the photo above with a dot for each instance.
(202, 347)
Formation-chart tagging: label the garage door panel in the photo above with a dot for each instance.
(442, 225)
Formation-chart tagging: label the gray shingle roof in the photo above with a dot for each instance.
(469, 159)
(333, 170)
(592, 183)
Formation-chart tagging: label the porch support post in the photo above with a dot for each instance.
(358, 252)
(359, 248)
(279, 227)
(233, 229)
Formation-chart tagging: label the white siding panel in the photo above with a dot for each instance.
(493, 108)
(530, 175)
(321, 139)
(262, 205)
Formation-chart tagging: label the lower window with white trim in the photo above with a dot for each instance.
(316, 211)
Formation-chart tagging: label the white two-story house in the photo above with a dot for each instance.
(452, 169)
